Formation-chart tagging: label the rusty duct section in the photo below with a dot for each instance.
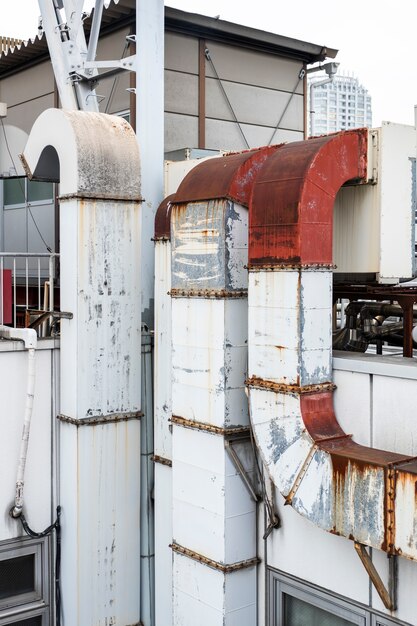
(214, 515)
(363, 494)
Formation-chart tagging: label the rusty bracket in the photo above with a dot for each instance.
(272, 267)
(387, 598)
(210, 428)
(234, 457)
(301, 474)
(95, 420)
(221, 567)
(261, 383)
(44, 315)
(217, 294)
(162, 460)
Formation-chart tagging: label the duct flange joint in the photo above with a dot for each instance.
(210, 428)
(260, 383)
(162, 460)
(95, 420)
(220, 567)
(217, 294)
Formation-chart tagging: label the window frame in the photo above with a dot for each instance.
(280, 583)
(33, 603)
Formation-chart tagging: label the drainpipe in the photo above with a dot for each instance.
(29, 337)
(162, 415)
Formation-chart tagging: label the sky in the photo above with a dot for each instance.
(375, 38)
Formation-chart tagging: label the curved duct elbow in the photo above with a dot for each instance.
(361, 493)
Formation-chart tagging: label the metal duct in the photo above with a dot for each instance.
(213, 513)
(96, 158)
(364, 494)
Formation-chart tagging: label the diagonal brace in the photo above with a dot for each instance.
(387, 598)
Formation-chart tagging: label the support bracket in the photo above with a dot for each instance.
(388, 597)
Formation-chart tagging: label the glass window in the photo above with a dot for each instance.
(14, 191)
(39, 191)
(300, 613)
(24, 586)
(17, 576)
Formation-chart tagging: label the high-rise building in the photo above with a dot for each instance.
(338, 105)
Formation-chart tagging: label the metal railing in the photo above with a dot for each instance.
(29, 280)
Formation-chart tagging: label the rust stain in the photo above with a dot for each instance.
(229, 177)
(291, 207)
(163, 219)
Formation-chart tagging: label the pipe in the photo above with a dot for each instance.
(29, 337)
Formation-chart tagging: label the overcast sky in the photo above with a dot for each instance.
(375, 38)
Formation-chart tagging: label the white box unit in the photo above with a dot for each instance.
(374, 224)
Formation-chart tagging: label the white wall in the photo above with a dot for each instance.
(38, 477)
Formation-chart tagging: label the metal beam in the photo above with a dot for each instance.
(374, 576)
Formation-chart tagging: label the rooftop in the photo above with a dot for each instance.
(121, 13)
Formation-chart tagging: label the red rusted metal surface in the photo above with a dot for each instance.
(321, 423)
(291, 216)
(163, 219)
(230, 176)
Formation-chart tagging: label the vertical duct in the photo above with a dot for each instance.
(95, 158)
(214, 517)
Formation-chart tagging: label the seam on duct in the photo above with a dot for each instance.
(364, 494)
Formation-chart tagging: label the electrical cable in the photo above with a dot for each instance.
(49, 249)
(300, 77)
(210, 60)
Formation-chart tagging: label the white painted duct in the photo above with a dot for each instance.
(95, 158)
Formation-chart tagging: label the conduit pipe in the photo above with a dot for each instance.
(29, 337)
(364, 494)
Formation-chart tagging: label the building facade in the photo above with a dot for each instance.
(341, 104)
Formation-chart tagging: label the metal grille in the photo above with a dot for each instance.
(17, 576)
(31, 284)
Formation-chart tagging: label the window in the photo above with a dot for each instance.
(295, 603)
(28, 215)
(24, 582)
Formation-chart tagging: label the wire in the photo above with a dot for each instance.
(22, 189)
(208, 57)
(300, 77)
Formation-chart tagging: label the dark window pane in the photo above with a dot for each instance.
(300, 613)
(14, 191)
(39, 191)
(17, 576)
(31, 621)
